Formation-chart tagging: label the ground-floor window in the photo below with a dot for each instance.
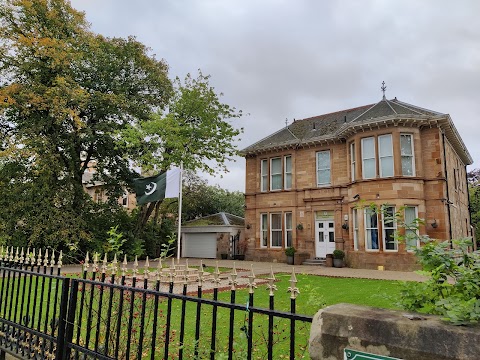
(371, 229)
(288, 229)
(276, 230)
(355, 229)
(411, 228)
(264, 230)
(389, 225)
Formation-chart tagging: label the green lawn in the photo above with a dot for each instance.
(315, 292)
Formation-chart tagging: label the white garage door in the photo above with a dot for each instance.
(203, 245)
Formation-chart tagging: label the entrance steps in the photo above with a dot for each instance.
(315, 261)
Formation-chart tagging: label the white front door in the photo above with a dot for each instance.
(324, 238)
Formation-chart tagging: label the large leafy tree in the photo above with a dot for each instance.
(474, 189)
(71, 98)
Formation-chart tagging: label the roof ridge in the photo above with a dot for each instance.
(411, 107)
(224, 217)
(335, 112)
(370, 108)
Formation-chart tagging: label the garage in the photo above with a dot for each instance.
(200, 245)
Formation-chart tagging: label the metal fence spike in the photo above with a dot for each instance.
(233, 278)
(293, 289)
(15, 259)
(1, 254)
(124, 266)
(60, 259)
(104, 264)
(39, 258)
(22, 257)
(201, 275)
(32, 257)
(252, 285)
(135, 267)
(45, 258)
(171, 273)
(86, 263)
(114, 265)
(271, 282)
(146, 271)
(216, 276)
(52, 259)
(95, 262)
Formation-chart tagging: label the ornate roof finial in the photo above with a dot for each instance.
(383, 89)
(286, 122)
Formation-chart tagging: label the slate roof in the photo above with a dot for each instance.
(339, 125)
(221, 219)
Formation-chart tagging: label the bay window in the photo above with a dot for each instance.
(275, 230)
(368, 158)
(389, 227)
(287, 172)
(264, 230)
(288, 229)
(411, 227)
(264, 175)
(385, 154)
(406, 151)
(371, 229)
(352, 161)
(276, 174)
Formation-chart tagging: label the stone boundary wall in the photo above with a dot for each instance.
(389, 333)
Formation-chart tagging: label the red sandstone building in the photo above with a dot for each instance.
(305, 184)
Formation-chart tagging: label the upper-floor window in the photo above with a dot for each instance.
(323, 168)
(264, 173)
(389, 227)
(371, 229)
(352, 161)
(276, 174)
(406, 151)
(263, 230)
(368, 158)
(275, 230)
(288, 229)
(385, 155)
(287, 172)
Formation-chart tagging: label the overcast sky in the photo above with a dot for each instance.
(279, 59)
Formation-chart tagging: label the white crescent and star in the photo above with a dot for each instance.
(150, 188)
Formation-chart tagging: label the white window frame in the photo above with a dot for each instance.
(288, 229)
(412, 155)
(352, 160)
(324, 168)
(385, 157)
(264, 175)
(125, 200)
(390, 225)
(272, 230)
(263, 230)
(367, 247)
(409, 248)
(287, 178)
(364, 158)
(355, 228)
(272, 174)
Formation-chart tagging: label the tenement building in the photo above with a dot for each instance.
(312, 184)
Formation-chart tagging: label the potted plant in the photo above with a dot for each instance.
(338, 256)
(290, 252)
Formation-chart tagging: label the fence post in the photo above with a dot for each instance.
(63, 319)
(2, 355)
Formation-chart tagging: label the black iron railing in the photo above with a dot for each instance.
(175, 312)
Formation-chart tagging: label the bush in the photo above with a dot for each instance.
(290, 251)
(338, 254)
(453, 287)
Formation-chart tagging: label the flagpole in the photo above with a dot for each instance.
(180, 212)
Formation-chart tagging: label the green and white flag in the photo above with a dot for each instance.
(155, 188)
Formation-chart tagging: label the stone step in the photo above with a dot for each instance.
(316, 261)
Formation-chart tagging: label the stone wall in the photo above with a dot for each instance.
(389, 333)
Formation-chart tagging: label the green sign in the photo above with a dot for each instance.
(359, 355)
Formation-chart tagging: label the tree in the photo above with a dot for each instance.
(71, 98)
(474, 190)
(194, 130)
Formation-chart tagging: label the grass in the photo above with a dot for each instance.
(315, 293)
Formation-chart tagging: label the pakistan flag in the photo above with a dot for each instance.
(155, 188)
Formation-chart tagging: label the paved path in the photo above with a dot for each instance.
(265, 268)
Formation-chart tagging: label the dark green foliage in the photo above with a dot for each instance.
(453, 287)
